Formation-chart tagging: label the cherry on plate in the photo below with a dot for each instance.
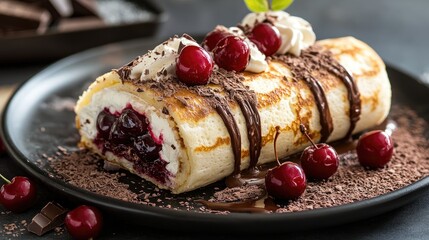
(286, 181)
(319, 161)
(232, 53)
(266, 37)
(374, 149)
(84, 222)
(194, 65)
(17, 195)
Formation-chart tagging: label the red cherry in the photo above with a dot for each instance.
(213, 37)
(374, 149)
(84, 222)
(232, 53)
(319, 161)
(17, 195)
(266, 37)
(286, 181)
(194, 65)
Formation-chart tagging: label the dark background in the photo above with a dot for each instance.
(398, 30)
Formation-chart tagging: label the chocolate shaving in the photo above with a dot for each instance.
(125, 71)
(165, 111)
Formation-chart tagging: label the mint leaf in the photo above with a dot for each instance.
(257, 5)
(278, 5)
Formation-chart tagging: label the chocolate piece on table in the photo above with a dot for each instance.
(16, 16)
(50, 217)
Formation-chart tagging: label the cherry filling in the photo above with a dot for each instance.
(127, 135)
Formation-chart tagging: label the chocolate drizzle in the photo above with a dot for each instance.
(301, 68)
(353, 96)
(324, 60)
(225, 113)
(247, 101)
(317, 59)
(253, 124)
(322, 106)
(250, 206)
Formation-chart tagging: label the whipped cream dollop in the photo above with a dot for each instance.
(296, 33)
(257, 62)
(160, 62)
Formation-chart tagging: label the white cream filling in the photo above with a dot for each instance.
(116, 101)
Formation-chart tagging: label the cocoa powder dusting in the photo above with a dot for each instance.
(84, 169)
(351, 183)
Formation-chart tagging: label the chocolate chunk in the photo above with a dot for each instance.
(50, 217)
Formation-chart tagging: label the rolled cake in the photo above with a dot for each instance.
(184, 137)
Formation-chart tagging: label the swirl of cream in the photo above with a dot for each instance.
(296, 33)
(257, 61)
(160, 62)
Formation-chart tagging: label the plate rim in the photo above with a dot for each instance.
(380, 203)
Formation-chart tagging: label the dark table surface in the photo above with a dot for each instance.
(398, 30)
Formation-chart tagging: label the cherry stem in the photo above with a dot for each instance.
(5, 179)
(303, 129)
(275, 144)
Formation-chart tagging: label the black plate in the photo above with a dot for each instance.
(27, 112)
